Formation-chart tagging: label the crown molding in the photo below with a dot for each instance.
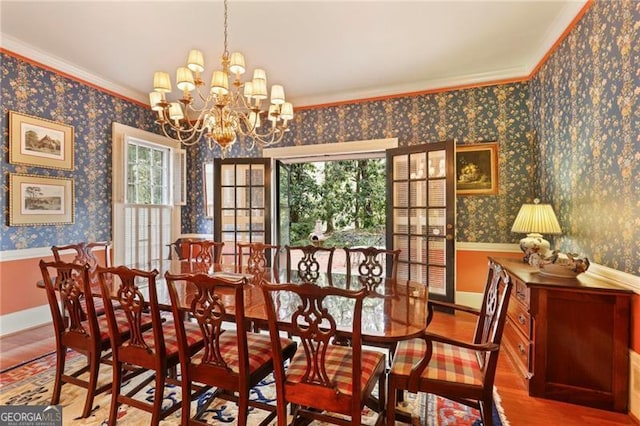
(567, 19)
(61, 66)
(445, 84)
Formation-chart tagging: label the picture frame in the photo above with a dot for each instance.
(40, 142)
(477, 169)
(40, 200)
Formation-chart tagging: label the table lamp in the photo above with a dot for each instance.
(534, 220)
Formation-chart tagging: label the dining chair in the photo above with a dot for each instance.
(323, 381)
(258, 259)
(85, 253)
(371, 265)
(178, 249)
(205, 251)
(307, 262)
(77, 327)
(461, 371)
(155, 349)
(232, 359)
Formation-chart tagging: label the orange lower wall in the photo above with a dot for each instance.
(18, 280)
(472, 267)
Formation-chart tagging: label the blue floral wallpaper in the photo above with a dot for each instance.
(586, 117)
(35, 91)
(493, 113)
(570, 136)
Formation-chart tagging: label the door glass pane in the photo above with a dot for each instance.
(437, 165)
(242, 174)
(400, 167)
(437, 280)
(257, 174)
(437, 192)
(257, 197)
(228, 197)
(417, 165)
(418, 195)
(437, 221)
(227, 175)
(400, 221)
(400, 194)
(437, 251)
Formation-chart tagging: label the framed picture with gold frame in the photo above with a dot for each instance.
(40, 200)
(40, 142)
(477, 169)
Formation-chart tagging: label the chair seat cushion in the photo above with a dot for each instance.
(171, 344)
(448, 362)
(259, 348)
(121, 319)
(338, 364)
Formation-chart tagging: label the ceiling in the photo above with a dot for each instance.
(321, 51)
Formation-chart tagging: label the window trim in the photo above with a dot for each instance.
(120, 135)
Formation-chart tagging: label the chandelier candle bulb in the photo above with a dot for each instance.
(254, 120)
(184, 79)
(161, 82)
(195, 61)
(175, 112)
(237, 64)
(155, 99)
(277, 94)
(259, 91)
(287, 111)
(219, 83)
(260, 74)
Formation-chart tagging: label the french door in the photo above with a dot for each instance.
(242, 196)
(421, 214)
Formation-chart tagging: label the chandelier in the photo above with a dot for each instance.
(224, 110)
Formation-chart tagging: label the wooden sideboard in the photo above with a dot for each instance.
(569, 337)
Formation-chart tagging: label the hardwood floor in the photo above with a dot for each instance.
(520, 409)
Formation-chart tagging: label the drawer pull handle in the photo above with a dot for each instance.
(521, 319)
(520, 295)
(521, 348)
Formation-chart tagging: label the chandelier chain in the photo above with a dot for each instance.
(226, 50)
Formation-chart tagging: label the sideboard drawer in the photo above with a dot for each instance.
(519, 314)
(518, 347)
(520, 291)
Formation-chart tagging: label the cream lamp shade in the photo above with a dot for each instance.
(534, 220)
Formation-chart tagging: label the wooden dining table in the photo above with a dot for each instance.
(393, 310)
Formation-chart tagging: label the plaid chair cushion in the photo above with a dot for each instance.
(121, 319)
(338, 363)
(259, 345)
(171, 338)
(448, 363)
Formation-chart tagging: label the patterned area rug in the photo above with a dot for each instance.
(31, 384)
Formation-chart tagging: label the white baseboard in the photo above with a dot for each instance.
(470, 299)
(22, 320)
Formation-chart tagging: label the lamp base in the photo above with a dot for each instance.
(534, 243)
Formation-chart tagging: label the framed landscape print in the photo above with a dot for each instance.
(477, 169)
(39, 142)
(40, 200)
